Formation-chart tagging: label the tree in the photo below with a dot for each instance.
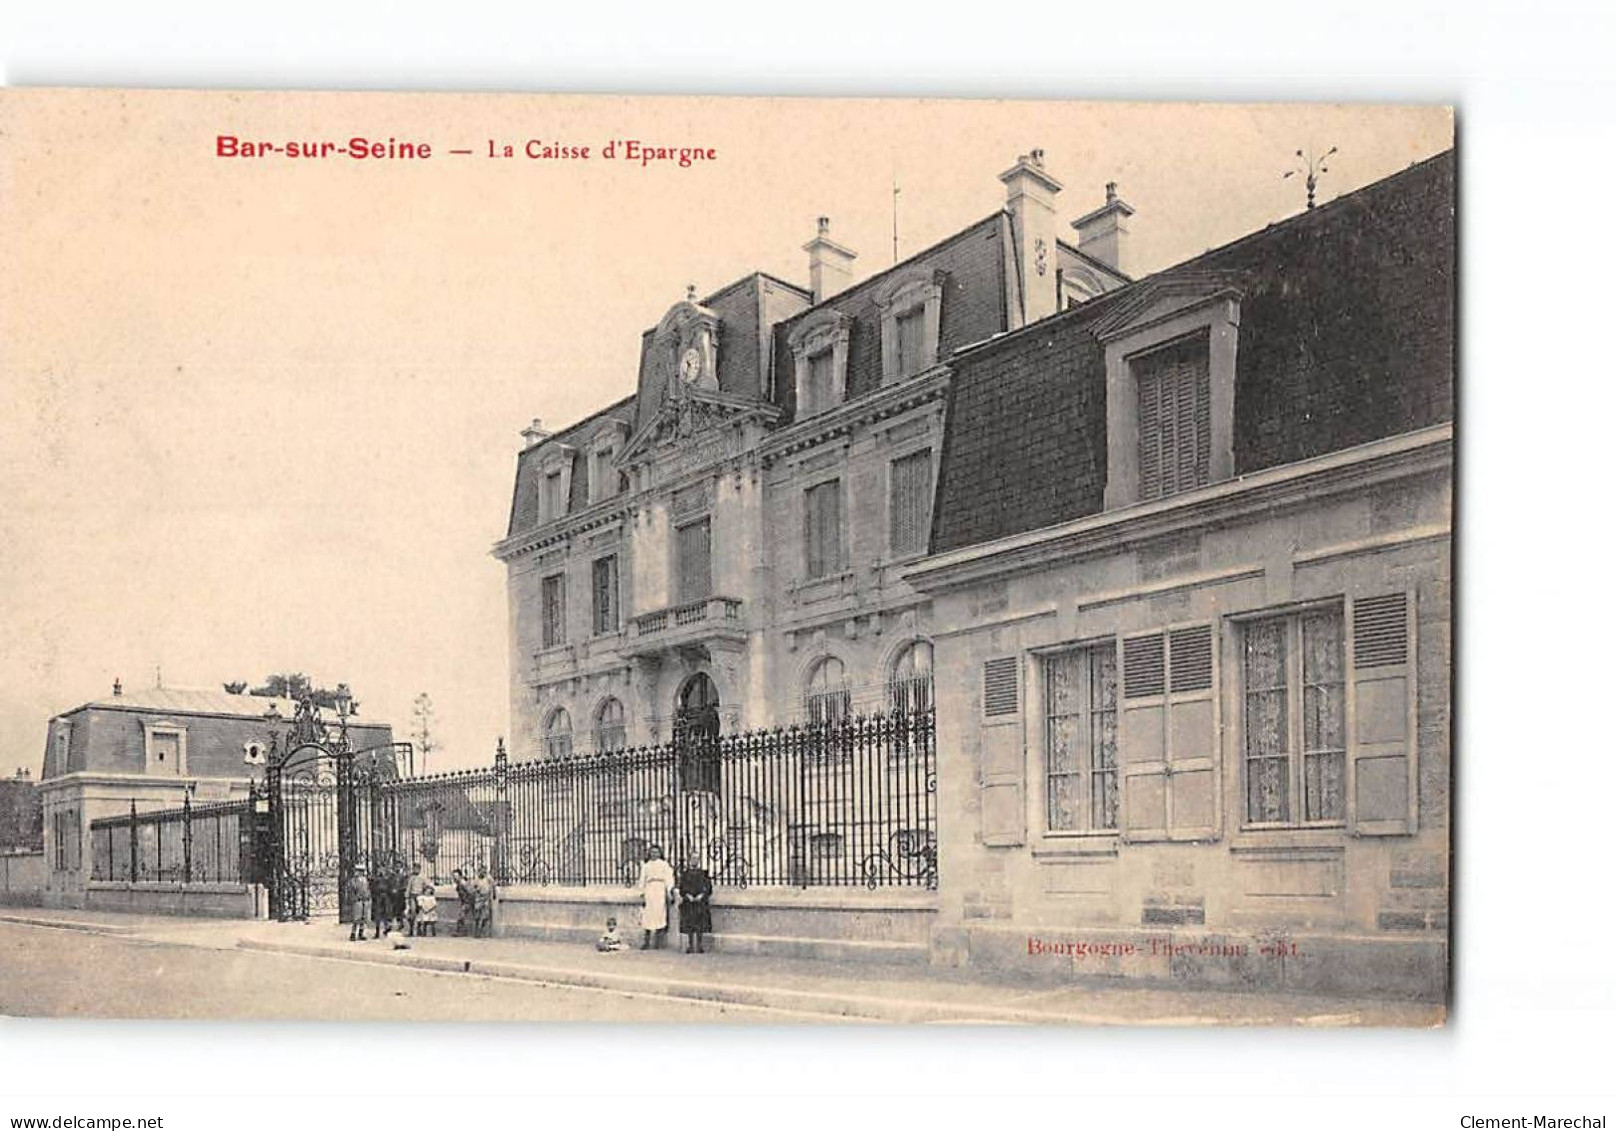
(426, 720)
(295, 685)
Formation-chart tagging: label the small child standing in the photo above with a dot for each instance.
(611, 940)
(426, 912)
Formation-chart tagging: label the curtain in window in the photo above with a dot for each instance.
(1267, 723)
(1324, 716)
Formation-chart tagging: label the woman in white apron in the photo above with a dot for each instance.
(656, 885)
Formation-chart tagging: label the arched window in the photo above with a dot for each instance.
(827, 698)
(910, 688)
(611, 732)
(558, 734)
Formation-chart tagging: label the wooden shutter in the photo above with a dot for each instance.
(1169, 736)
(1003, 741)
(1144, 737)
(1175, 418)
(694, 561)
(911, 499)
(1382, 763)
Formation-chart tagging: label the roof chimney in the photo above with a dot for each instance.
(117, 686)
(1030, 199)
(534, 434)
(830, 265)
(1103, 233)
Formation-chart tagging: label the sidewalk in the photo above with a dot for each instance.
(817, 989)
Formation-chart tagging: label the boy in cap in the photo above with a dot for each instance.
(359, 899)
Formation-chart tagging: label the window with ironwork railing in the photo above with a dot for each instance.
(611, 729)
(1080, 739)
(693, 560)
(558, 734)
(910, 689)
(827, 698)
(1294, 724)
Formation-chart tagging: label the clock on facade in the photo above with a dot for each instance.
(690, 364)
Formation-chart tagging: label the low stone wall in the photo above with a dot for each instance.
(845, 924)
(213, 900)
(22, 879)
(1407, 969)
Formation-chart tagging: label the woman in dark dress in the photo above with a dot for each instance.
(695, 904)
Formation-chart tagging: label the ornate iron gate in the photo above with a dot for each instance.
(306, 874)
(328, 817)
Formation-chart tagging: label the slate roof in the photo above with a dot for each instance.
(1346, 336)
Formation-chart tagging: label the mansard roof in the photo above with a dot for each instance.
(1346, 336)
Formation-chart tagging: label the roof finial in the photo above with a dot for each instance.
(1314, 168)
(690, 292)
(117, 686)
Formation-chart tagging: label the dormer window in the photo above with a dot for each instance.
(555, 503)
(1169, 373)
(911, 313)
(819, 347)
(605, 481)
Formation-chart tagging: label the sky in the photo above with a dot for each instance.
(262, 414)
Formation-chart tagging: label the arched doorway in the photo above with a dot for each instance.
(695, 734)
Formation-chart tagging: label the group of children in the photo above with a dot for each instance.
(392, 905)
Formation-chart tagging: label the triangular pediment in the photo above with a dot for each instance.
(689, 413)
(1158, 298)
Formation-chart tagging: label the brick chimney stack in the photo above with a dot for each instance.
(1103, 233)
(830, 265)
(1030, 199)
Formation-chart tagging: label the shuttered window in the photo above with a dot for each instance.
(693, 560)
(554, 610)
(819, 392)
(823, 534)
(554, 505)
(1080, 729)
(911, 339)
(603, 595)
(1383, 771)
(911, 503)
(605, 476)
(1175, 418)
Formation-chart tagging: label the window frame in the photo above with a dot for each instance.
(832, 566)
(1292, 616)
(821, 332)
(917, 290)
(597, 625)
(1043, 707)
(681, 595)
(841, 695)
(1164, 314)
(553, 621)
(1198, 343)
(599, 729)
(929, 449)
(554, 736)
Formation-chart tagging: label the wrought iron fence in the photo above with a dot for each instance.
(192, 844)
(846, 802)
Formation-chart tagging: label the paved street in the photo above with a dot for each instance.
(43, 973)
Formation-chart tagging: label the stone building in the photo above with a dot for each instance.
(151, 749)
(1198, 681)
(728, 543)
(1170, 557)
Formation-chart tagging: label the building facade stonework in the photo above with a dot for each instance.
(1169, 557)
